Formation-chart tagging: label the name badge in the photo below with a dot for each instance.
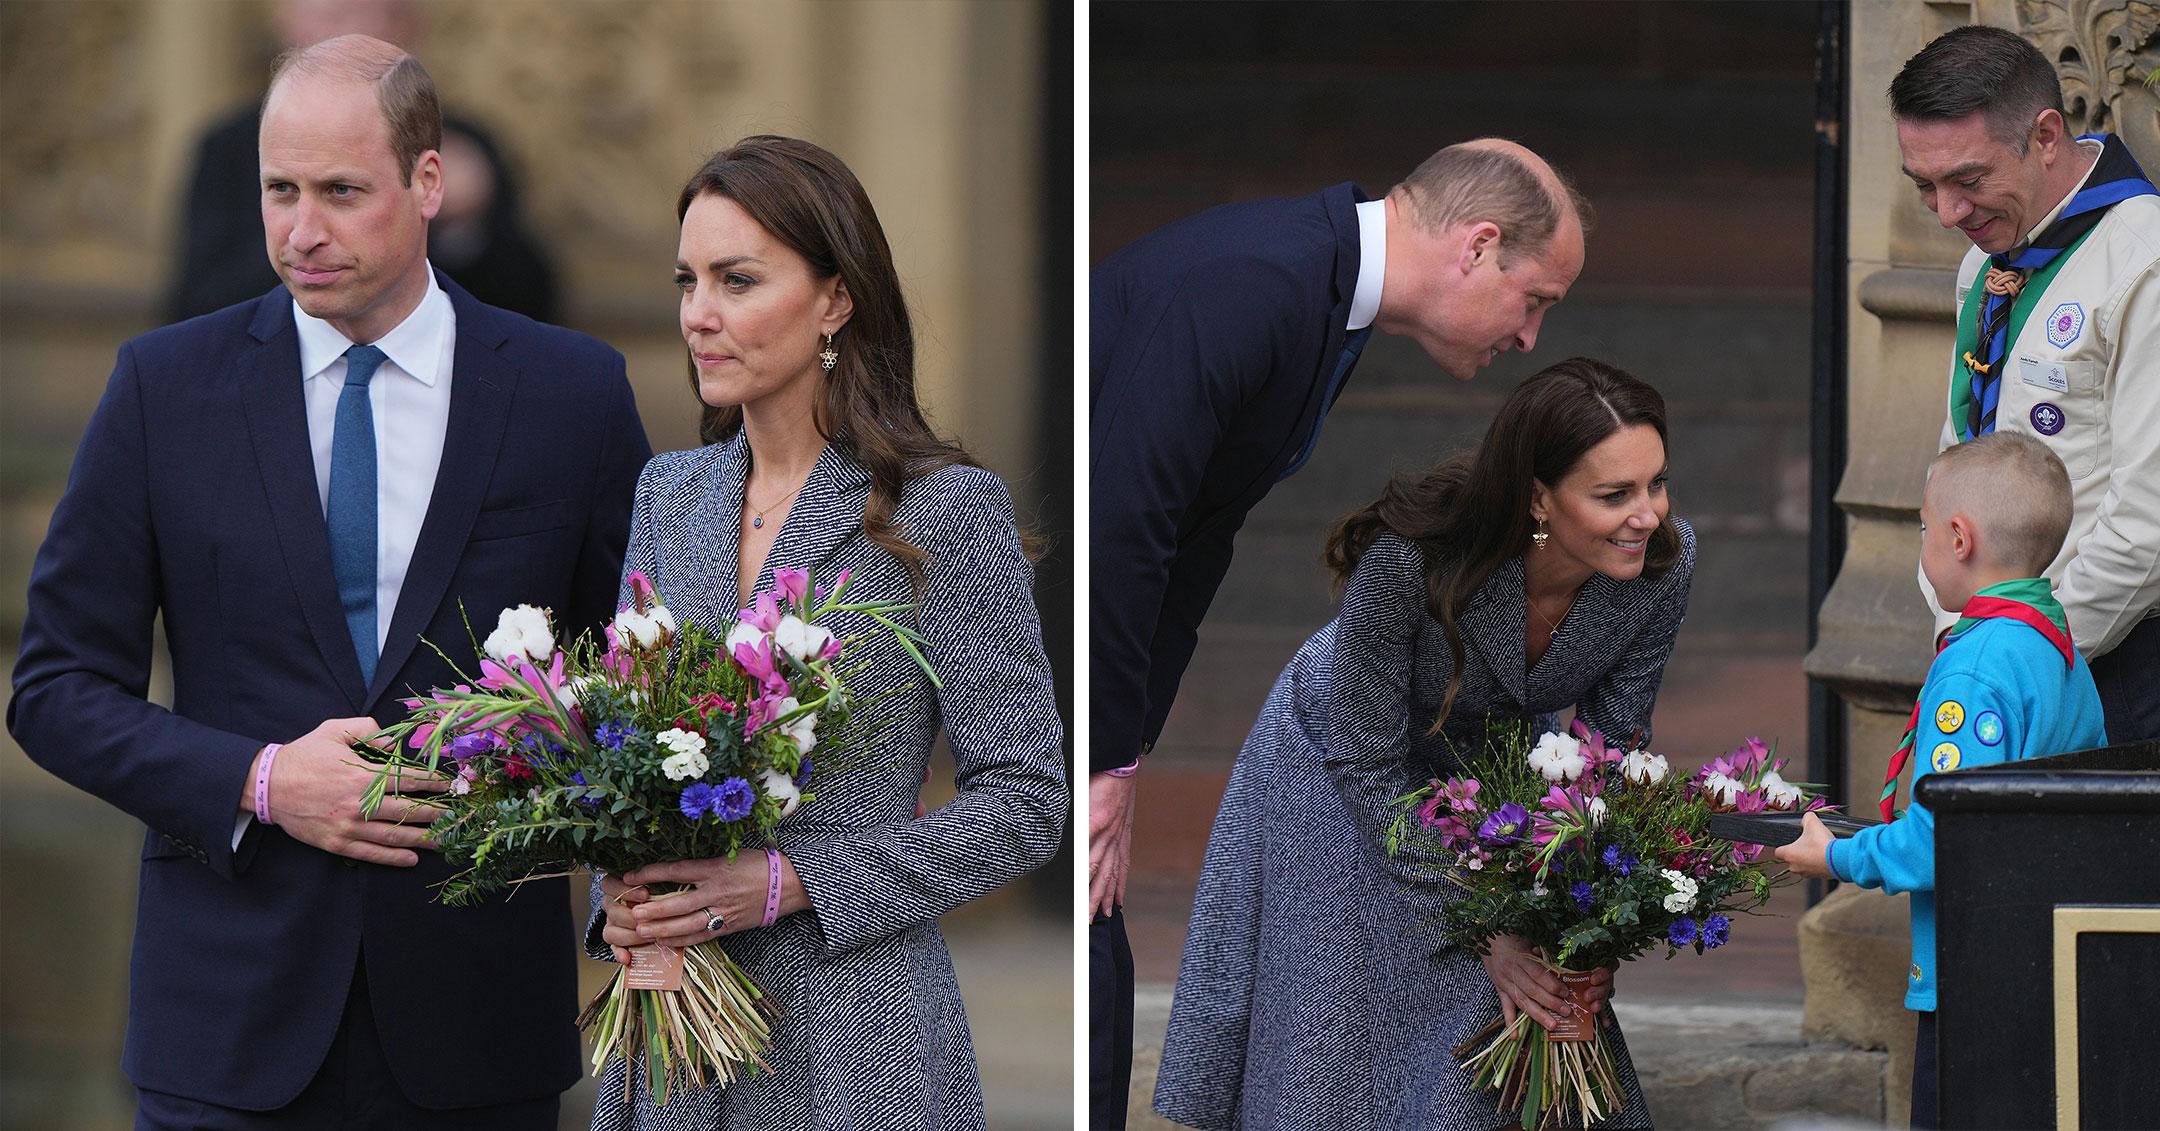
(2053, 376)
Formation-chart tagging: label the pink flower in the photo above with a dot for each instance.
(1461, 794)
(793, 584)
(1595, 752)
(761, 663)
(643, 593)
(763, 613)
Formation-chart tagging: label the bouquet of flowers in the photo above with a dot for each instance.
(660, 743)
(1595, 855)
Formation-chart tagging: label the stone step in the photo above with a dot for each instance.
(1712, 1065)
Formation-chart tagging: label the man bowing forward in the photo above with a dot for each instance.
(306, 486)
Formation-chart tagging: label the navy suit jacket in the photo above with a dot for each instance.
(1211, 344)
(193, 496)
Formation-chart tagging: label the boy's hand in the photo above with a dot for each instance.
(1810, 855)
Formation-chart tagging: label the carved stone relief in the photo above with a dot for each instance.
(2105, 51)
(72, 154)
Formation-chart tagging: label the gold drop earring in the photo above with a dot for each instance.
(828, 357)
(1540, 536)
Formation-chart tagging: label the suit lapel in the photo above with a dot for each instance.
(483, 384)
(722, 514)
(276, 409)
(1494, 625)
(825, 515)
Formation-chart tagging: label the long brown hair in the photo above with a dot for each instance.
(1471, 512)
(810, 201)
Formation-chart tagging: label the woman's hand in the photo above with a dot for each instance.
(1524, 984)
(732, 889)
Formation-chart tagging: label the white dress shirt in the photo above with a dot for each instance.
(410, 399)
(1372, 263)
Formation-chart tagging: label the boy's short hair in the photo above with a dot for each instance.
(2014, 489)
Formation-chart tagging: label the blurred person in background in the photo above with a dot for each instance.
(477, 238)
(303, 487)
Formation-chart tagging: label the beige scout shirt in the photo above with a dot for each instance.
(2084, 376)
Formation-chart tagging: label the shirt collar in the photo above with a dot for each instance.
(414, 345)
(1372, 263)
(2075, 189)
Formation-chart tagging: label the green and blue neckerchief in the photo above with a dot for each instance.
(2029, 600)
(2015, 279)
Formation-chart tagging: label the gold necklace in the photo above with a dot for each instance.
(757, 521)
(1553, 626)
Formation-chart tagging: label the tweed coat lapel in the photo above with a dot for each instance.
(1494, 626)
(826, 515)
(276, 408)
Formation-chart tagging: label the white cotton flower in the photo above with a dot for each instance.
(1644, 768)
(1785, 796)
(663, 618)
(521, 636)
(637, 630)
(688, 758)
(1558, 757)
(1725, 790)
(1596, 809)
(800, 639)
(781, 788)
(803, 730)
(743, 634)
(1683, 893)
(1772, 780)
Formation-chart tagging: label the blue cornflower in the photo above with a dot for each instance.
(1715, 929)
(1583, 898)
(1682, 931)
(578, 778)
(1620, 862)
(613, 733)
(1612, 856)
(802, 774)
(698, 799)
(733, 800)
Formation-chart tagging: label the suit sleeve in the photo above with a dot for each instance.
(80, 707)
(1173, 384)
(1000, 718)
(1965, 720)
(1369, 716)
(2115, 578)
(1620, 705)
(624, 453)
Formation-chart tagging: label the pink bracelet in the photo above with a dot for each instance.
(1125, 771)
(262, 782)
(772, 886)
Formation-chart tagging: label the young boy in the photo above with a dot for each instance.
(2006, 683)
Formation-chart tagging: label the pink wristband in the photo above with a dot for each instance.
(772, 886)
(262, 782)
(1125, 771)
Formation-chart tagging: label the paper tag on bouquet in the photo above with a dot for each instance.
(1580, 1025)
(654, 968)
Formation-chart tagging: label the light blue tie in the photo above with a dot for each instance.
(352, 505)
(1353, 345)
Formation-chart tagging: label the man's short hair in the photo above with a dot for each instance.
(2014, 490)
(1469, 182)
(1978, 70)
(404, 91)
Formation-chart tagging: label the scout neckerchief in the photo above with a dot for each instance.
(2027, 599)
(2015, 280)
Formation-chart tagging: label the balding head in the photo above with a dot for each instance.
(2013, 490)
(403, 90)
(1497, 181)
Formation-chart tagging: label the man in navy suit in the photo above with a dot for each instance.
(306, 487)
(1216, 347)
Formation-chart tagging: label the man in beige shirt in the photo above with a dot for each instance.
(2058, 332)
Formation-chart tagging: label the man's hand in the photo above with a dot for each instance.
(1110, 814)
(315, 789)
(1810, 855)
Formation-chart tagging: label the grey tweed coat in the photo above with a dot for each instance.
(1314, 992)
(872, 1035)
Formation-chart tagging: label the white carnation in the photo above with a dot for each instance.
(800, 639)
(521, 636)
(1683, 893)
(1644, 768)
(781, 788)
(1558, 757)
(688, 758)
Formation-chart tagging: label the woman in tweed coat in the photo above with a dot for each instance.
(1313, 991)
(818, 459)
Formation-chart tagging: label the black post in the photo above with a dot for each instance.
(1826, 409)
